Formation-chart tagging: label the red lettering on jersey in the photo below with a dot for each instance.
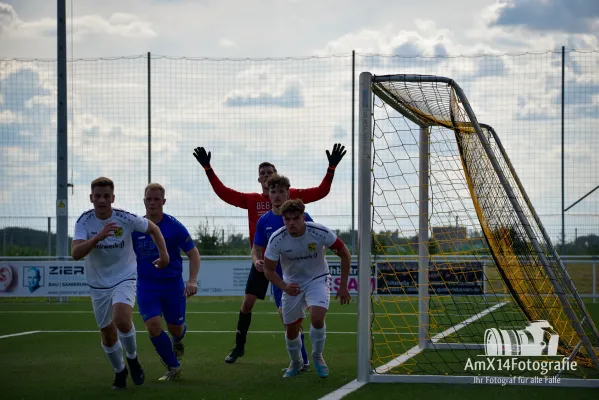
(263, 206)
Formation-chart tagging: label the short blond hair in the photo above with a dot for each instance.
(157, 186)
(102, 182)
(292, 206)
(278, 181)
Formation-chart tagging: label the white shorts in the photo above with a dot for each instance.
(103, 300)
(313, 293)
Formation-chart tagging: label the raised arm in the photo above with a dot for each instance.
(228, 195)
(321, 191)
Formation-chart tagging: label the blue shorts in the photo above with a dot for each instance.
(165, 297)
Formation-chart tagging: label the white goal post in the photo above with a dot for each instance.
(426, 332)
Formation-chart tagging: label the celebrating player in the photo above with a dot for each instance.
(103, 237)
(162, 291)
(300, 245)
(278, 192)
(258, 204)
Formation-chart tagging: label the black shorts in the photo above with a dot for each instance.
(257, 283)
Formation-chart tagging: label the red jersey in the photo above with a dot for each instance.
(258, 204)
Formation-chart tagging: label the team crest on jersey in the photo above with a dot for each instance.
(118, 232)
(311, 246)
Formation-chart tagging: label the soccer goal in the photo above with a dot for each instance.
(469, 288)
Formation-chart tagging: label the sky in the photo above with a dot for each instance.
(276, 75)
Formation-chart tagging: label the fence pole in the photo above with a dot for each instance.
(49, 236)
(149, 119)
(353, 157)
(594, 280)
(563, 167)
(62, 205)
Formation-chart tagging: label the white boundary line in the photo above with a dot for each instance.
(139, 332)
(187, 312)
(19, 334)
(355, 385)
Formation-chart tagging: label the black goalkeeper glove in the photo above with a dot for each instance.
(337, 154)
(200, 154)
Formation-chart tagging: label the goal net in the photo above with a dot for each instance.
(468, 285)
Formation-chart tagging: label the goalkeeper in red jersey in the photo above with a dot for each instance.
(257, 205)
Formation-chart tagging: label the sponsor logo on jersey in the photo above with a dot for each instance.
(118, 245)
(309, 256)
(118, 232)
(311, 246)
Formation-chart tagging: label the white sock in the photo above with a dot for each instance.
(129, 343)
(294, 348)
(318, 337)
(115, 356)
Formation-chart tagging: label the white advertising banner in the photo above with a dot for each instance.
(67, 278)
(42, 279)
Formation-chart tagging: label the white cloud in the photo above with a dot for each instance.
(224, 42)
(118, 24)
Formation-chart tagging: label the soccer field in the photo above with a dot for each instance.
(52, 350)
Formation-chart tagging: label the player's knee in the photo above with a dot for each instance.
(176, 330)
(123, 323)
(293, 330)
(248, 304)
(318, 323)
(109, 335)
(154, 326)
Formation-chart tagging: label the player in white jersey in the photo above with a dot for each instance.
(103, 237)
(301, 247)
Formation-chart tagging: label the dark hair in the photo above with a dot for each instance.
(278, 181)
(293, 206)
(102, 182)
(267, 164)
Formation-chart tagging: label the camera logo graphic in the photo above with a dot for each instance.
(537, 339)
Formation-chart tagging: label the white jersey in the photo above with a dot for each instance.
(113, 259)
(302, 258)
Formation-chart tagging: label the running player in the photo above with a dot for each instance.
(103, 237)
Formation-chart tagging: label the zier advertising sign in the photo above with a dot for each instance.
(68, 278)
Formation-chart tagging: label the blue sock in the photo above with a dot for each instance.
(304, 353)
(164, 348)
(177, 339)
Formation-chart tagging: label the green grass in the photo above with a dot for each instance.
(73, 365)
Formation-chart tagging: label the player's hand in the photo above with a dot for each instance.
(343, 295)
(259, 265)
(191, 288)
(200, 154)
(337, 154)
(292, 289)
(108, 230)
(162, 261)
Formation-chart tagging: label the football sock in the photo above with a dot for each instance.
(164, 348)
(115, 356)
(128, 340)
(304, 352)
(177, 339)
(243, 325)
(318, 337)
(294, 347)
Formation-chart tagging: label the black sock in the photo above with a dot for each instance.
(243, 325)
